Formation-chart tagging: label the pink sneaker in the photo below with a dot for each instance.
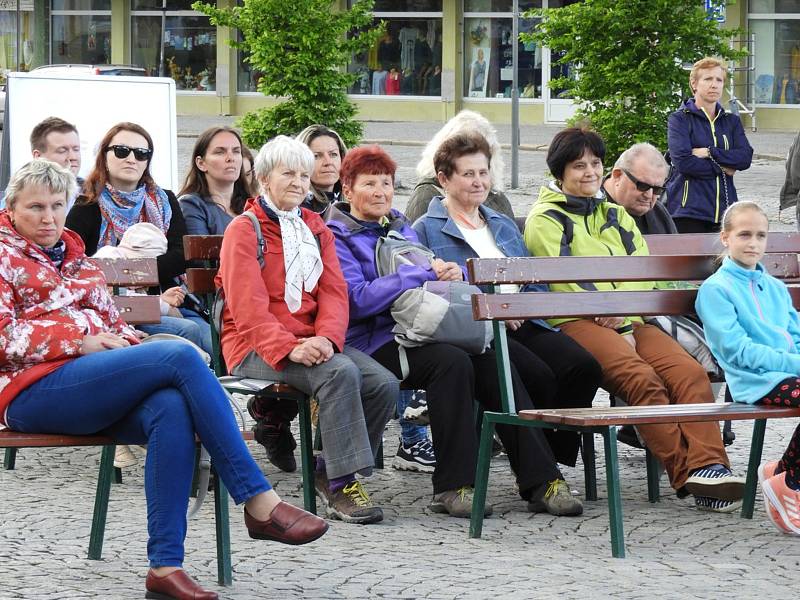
(783, 504)
(767, 470)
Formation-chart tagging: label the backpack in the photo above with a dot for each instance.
(689, 334)
(436, 312)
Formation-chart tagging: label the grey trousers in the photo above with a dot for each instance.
(356, 396)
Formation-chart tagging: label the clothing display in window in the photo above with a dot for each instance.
(379, 83)
(408, 40)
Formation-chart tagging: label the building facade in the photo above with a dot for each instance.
(437, 56)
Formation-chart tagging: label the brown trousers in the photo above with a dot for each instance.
(658, 371)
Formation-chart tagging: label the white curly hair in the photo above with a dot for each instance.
(467, 121)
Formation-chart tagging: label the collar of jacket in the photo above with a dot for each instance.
(342, 220)
(9, 236)
(437, 210)
(690, 107)
(730, 267)
(578, 205)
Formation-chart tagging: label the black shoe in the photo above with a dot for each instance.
(627, 435)
(279, 443)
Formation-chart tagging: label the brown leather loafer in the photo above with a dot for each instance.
(287, 524)
(175, 586)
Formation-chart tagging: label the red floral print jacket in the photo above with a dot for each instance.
(45, 312)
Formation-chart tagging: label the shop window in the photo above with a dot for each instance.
(499, 5)
(406, 5)
(189, 46)
(82, 39)
(405, 61)
(81, 5)
(8, 41)
(488, 50)
(776, 60)
(774, 6)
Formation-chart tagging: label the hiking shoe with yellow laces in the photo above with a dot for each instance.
(557, 500)
(457, 503)
(352, 504)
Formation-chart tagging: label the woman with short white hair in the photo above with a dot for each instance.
(285, 321)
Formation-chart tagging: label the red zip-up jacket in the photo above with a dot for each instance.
(45, 312)
(256, 316)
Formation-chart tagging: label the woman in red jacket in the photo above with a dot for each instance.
(63, 351)
(286, 320)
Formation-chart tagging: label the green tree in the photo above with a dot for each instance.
(628, 58)
(300, 48)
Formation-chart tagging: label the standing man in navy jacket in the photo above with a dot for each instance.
(707, 146)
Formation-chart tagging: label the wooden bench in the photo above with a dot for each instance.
(500, 307)
(204, 250)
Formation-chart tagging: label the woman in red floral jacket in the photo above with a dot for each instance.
(62, 341)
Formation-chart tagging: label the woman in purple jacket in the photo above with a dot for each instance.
(454, 380)
(707, 146)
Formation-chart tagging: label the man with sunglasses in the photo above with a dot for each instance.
(637, 183)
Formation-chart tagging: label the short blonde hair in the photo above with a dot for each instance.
(41, 173)
(706, 63)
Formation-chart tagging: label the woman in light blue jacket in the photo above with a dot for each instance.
(754, 332)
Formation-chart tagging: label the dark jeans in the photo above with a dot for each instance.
(453, 381)
(558, 373)
(689, 225)
(159, 394)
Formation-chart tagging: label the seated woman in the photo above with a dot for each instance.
(754, 332)
(120, 192)
(641, 363)
(428, 185)
(453, 379)
(287, 322)
(556, 371)
(217, 185)
(415, 451)
(63, 351)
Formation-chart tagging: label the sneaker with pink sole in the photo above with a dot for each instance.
(765, 471)
(783, 504)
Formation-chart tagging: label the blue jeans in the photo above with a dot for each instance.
(195, 329)
(169, 396)
(410, 434)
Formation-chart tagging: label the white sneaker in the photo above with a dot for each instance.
(124, 457)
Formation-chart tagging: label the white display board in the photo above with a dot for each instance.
(93, 103)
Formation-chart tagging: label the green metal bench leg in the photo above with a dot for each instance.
(589, 465)
(10, 460)
(756, 448)
(379, 456)
(222, 523)
(653, 467)
(117, 475)
(481, 477)
(614, 498)
(307, 456)
(317, 439)
(101, 502)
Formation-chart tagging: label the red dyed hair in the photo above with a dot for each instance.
(366, 160)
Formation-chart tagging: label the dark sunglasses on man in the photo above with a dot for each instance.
(121, 151)
(642, 186)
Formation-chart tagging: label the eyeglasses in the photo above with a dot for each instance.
(643, 187)
(140, 154)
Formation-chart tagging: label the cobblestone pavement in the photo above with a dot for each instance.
(673, 549)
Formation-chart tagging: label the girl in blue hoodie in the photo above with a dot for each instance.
(754, 332)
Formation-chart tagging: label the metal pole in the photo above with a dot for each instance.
(515, 97)
(163, 34)
(19, 42)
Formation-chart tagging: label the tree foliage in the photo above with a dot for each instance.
(299, 47)
(628, 57)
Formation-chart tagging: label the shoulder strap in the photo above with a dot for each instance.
(261, 243)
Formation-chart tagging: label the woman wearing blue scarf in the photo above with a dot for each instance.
(120, 192)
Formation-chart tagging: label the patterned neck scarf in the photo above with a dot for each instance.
(56, 253)
(300, 254)
(119, 210)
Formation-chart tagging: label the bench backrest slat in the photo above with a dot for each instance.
(545, 305)
(139, 310)
(202, 247)
(125, 272)
(561, 269)
(709, 243)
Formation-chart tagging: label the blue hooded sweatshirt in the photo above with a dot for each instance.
(752, 329)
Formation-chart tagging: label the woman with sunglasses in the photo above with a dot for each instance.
(216, 186)
(120, 192)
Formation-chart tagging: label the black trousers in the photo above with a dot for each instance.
(689, 225)
(557, 373)
(453, 381)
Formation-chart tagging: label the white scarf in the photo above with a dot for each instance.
(300, 255)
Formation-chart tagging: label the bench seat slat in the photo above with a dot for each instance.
(17, 439)
(138, 310)
(673, 413)
(568, 269)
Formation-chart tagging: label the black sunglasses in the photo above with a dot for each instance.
(140, 154)
(642, 186)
